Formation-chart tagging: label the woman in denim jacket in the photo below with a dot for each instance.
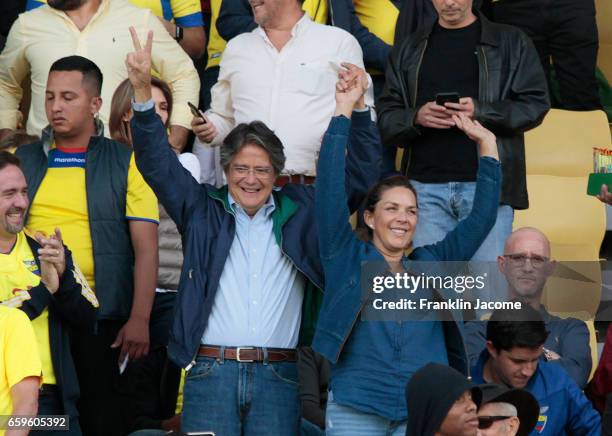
(373, 360)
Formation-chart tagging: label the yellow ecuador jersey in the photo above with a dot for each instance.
(18, 355)
(61, 201)
(185, 13)
(18, 274)
(379, 16)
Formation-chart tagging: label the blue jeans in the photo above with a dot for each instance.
(235, 398)
(347, 421)
(441, 207)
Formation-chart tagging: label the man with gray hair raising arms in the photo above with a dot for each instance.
(248, 290)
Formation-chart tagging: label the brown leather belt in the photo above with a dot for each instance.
(301, 179)
(249, 354)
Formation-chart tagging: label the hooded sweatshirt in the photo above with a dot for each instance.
(430, 394)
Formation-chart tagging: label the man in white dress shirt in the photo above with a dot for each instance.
(282, 73)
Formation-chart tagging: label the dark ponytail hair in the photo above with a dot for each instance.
(375, 194)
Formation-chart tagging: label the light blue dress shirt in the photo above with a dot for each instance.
(259, 299)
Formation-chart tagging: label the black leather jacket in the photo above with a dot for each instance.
(512, 98)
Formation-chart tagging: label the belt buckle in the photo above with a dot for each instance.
(238, 350)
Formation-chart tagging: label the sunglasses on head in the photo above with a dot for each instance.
(485, 422)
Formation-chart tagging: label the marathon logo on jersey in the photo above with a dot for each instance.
(542, 419)
(61, 159)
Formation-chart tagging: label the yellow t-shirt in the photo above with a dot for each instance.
(185, 13)
(18, 274)
(379, 16)
(61, 201)
(316, 9)
(18, 355)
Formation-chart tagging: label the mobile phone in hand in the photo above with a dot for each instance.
(196, 112)
(447, 97)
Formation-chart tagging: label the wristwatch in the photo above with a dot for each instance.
(178, 33)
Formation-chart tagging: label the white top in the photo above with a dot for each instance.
(292, 91)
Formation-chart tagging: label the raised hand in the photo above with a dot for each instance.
(350, 89)
(138, 65)
(485, 139)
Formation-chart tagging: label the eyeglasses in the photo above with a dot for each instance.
(485, 422)
(262, 173)
(519, 260)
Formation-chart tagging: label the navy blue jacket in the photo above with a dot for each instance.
(207, 224)
(343, 254)
(567, 337)
(564, 410)
(236, 17)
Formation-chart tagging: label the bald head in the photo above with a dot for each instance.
(528, 239)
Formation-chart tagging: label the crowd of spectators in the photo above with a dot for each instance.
(195, 197)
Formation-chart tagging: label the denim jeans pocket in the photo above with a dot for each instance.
(284, 371)
(202, 369)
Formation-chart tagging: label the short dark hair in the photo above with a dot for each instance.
(257, 133)
(510, 328)
(91, 73)
(7, 159)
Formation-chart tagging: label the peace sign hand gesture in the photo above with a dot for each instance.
(138, 63)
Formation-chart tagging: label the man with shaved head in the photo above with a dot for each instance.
(526, 264)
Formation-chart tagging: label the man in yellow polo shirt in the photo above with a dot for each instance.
(182, 19)
(19, 368)
(39, 277)
(98, 30)
(89, 186)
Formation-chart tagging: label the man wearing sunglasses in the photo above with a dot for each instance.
(513, 358)
(526, 264)
(506, 412)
